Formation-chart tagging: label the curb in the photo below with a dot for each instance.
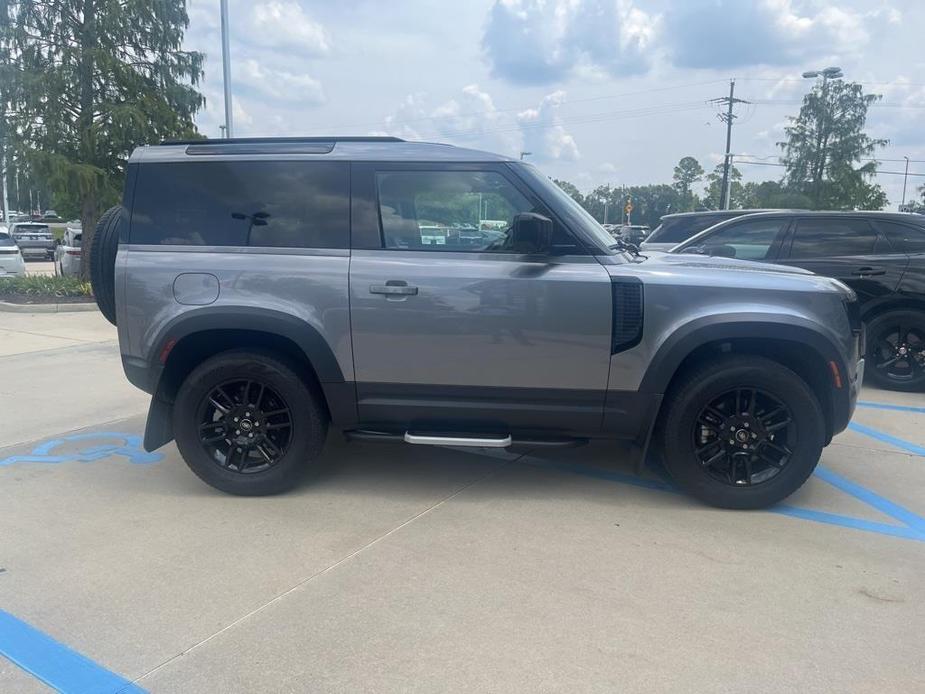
(6, 307)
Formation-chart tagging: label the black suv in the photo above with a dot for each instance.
(679, 227)
(880, 255)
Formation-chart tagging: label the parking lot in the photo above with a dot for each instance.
(398, 568)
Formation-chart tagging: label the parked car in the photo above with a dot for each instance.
(676, 228)
(269, 289)
(67, 254)
(11, 262)
(34, 239)
(880, 255)
(50, 216)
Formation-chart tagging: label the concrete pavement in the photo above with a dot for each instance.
(400, 568)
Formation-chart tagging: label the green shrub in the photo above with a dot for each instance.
(44, 285)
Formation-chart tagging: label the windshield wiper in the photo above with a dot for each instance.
(630, 248)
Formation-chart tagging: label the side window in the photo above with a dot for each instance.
(905, 238)
(748, 240)
(292, 204)
(824, 238)
(451, 210)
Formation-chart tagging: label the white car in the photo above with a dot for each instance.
(67, 254)
(11, 262)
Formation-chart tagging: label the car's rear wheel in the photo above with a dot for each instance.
(742, 432)
(246, 423)
(896, 350)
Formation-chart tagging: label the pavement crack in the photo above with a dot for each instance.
(340, 562)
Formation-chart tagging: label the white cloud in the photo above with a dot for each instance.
(278, 84)
(544, 41)
(285, 24)
(733, 33)
(543, 135)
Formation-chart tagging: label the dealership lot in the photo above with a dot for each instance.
(402, 568)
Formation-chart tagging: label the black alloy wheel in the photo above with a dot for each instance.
(741, 431)
(249, 422)
(896, 350)
(742, 437)
(899, 352)
(245, 426)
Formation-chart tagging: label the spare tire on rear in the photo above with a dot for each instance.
(102, 257)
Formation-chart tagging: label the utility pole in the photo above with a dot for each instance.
(905, 176)
(729, 102)
(226, 69)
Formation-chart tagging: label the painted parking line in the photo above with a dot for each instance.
(912, 528)
(55, 664)
(886, 406)
(908, 446)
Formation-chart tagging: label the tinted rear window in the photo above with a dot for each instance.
(821, 238)
(30, 228)
(904, 237)
(293, 204)
(682, 228)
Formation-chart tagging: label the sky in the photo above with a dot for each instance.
(597, 91)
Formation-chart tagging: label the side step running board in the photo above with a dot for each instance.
(423, 440)
(461, 440)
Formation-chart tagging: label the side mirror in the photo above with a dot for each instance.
(531, 233)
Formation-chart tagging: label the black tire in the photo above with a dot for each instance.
(307, 433)
(682, 422)
(886, 334)
(102, 249)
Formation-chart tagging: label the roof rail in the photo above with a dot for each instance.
(282, 140)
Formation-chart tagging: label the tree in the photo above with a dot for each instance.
(826, 144)
(89, 80)
(686, 174)
(772, 195)
(713, 193)
(571, 189)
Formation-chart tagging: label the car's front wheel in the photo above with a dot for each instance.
(246, 423)
(741, 432)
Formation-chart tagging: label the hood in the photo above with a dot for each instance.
(692, 261)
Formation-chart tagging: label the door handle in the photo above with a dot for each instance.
(393, 288)
(868, 272)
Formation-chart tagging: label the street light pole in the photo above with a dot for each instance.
(525, 154)
(226, 69)
(905, 177)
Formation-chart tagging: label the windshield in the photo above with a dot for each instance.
(574, 214)
(678, 229)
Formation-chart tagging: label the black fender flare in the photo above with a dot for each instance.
(301, 332)
(729, 326)
(339, 393)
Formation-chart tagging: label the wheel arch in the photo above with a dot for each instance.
(200, 334)
(797, 345)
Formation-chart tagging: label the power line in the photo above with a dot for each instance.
(876, 171)
(469, 114)
(794, 79)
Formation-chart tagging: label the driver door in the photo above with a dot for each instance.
(452, 329)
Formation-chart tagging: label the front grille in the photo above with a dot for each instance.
(627, 313)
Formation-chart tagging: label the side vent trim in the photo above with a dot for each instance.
(626, 331)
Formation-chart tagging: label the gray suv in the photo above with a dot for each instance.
(268, 289)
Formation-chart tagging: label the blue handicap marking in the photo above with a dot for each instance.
(124, 445)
